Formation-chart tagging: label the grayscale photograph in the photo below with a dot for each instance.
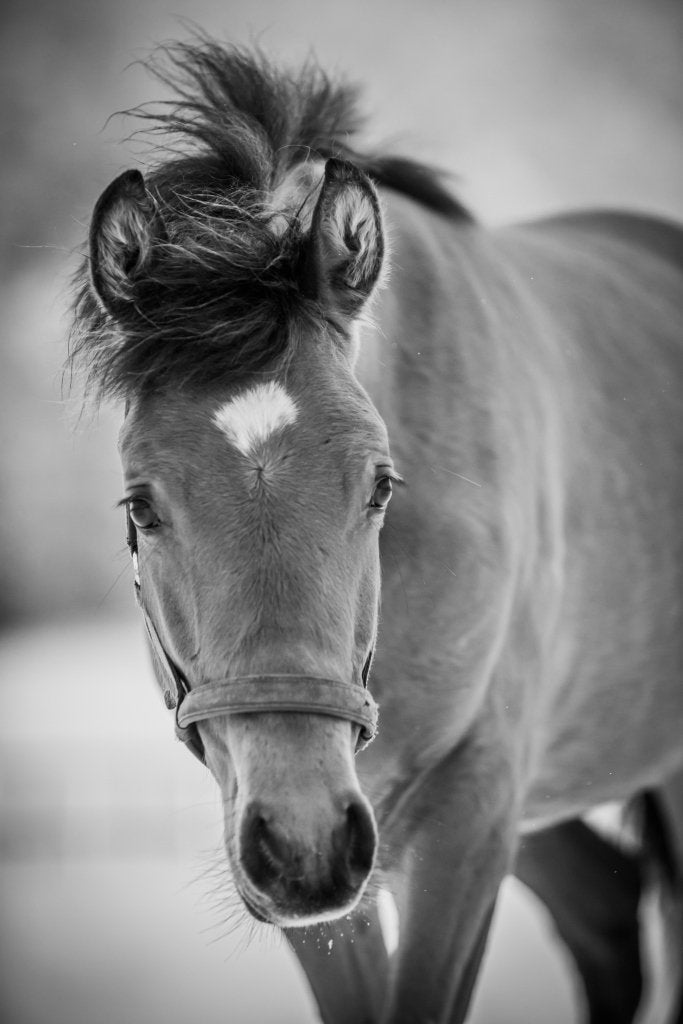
(341, 620)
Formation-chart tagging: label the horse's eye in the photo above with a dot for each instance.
(143, 515)
(382, 493)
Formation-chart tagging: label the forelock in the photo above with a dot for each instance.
(234, 180)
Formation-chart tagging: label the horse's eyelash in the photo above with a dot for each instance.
(122, 502)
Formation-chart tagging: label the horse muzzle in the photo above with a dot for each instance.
(292, 868)
(292, 879)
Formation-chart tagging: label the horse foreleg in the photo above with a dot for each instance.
(592, 890)
(346, 964)
(664, 831)
(457, 850)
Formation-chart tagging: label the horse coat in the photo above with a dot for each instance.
(282, 376)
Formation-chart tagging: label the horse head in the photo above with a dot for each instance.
(256, 498)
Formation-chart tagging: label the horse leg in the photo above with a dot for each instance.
(456, 834)
(592, 889)
(664, 840)
(346, 964)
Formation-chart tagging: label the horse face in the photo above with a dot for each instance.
(258, 512)
(257, 505)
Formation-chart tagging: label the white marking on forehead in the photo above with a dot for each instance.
(251, 418)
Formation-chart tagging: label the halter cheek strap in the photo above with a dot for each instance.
(250, 694)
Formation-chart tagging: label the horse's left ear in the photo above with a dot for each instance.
(124, 229)
(346, 242)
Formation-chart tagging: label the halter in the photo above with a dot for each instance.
(249, 694)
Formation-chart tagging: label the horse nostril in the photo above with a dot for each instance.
(264, 853)
(360, 838)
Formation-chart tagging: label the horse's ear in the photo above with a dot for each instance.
(346, 243)
(124, 227)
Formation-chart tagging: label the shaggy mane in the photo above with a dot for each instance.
(222, 295)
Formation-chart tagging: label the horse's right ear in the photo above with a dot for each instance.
(125, 225)
(346, 242)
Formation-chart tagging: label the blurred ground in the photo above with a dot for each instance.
(538, 105)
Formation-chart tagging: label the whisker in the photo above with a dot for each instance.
(113, 585)
(451, 472)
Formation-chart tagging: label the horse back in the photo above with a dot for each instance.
(643, 233)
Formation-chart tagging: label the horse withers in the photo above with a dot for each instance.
(279, 386)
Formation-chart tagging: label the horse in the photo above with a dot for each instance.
(378, 455)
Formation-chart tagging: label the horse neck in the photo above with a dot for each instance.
(456, 367)
(434, 358)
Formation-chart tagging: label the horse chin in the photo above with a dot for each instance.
(267, 912)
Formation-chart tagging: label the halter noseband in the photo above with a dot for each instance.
(249, 694)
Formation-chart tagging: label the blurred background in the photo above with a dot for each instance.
(114, 906)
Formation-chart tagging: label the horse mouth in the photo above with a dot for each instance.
(309, 911)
